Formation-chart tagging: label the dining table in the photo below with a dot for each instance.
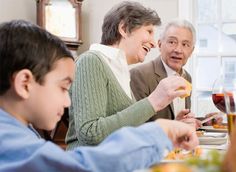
(212, 140)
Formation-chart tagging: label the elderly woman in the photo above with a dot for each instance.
(102, 101)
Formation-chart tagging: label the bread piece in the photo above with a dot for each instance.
(188, 88)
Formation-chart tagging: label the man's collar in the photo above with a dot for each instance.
(170, 71)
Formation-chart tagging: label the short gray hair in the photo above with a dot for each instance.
(179, 23)
(132, 14)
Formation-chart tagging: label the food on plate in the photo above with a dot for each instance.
(179, 154)
(220, 126)
(211, 162)
(200, 133)
(188, 89)
(171, 167)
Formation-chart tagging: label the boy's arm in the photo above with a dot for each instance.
(126, 150)
(123, 151)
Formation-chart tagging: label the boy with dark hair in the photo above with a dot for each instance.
(36, 71)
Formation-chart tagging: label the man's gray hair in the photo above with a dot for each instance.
(179, 23)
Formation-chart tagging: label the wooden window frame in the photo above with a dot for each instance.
(72, 42)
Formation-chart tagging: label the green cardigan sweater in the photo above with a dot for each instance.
(99, 104)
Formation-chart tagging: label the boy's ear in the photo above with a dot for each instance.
(22, 83)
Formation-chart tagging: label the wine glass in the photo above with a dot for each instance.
(218, 94)
(224, 97)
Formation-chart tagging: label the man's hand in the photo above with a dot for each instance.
(189, 118)
(182, 135)
(185, 113)
(166, 91)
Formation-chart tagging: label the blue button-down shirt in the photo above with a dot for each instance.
(128, 149)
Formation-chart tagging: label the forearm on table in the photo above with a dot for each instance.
(129, 149)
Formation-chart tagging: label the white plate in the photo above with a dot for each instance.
(214, 134)
(172, 160)
(212, 129)
(212, 140)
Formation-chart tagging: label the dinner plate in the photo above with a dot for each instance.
(212, 140)
(172, 161)
(212, 129)
(214, 134)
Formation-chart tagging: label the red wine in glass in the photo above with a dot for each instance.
(219, 101)
(224, 98)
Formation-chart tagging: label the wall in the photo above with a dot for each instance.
(18, 9)
(93, 12)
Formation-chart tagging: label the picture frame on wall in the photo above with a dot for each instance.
(61, 18)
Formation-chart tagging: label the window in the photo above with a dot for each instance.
(61, 18)
(215, 23)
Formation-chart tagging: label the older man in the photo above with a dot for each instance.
(176, 45)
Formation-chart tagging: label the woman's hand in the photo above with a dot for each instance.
(166, 91)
